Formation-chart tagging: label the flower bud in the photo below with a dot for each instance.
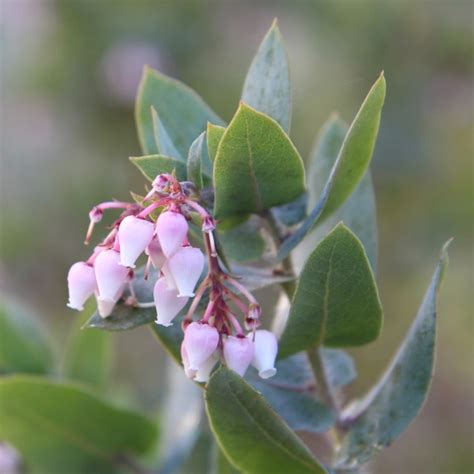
(155, 253)
(204, 372)
(185, 359)
(266, 348)
(171, 228)
(200, 341)
(81, 284)
(111, 276)
(238, 353)
(186, 266)
(134, 235)
(168, 303)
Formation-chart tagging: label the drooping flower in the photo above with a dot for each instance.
(172, 229)
(111, 276)
(134, 236)
(168, 303)
(200, 342)
(238, 353)
(81, 284)
(186, 266)
(266, 349)
(190, 373)
(204, 372)
(155, 253)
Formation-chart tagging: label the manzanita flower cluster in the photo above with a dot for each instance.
(159, 228)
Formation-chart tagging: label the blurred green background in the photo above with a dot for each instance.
(70, 73)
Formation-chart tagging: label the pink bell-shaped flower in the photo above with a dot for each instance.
(168, 303)
(105, 307)
(155, 253)
(172, 229)
(200, 341)
(165, 269)
(81, 284)
(238, 353)
(111, 276)
(186, 266)
(266, 349)
(185, 359)
(204, 372)
(134, 235)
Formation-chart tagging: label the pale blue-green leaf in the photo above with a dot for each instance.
(250, 433)
(378, 419)
(195, 161)
(291, 394)
(351, 165)
(153, 165)
(339, 367)
(24, 344)
(293, 212)
(164, 144)
(267, 84)
(183, 113)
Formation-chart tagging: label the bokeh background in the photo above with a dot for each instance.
(70, 70)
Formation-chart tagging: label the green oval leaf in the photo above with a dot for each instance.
(378, 419)
(351, 164)
(153, 165)
(183, 113)
(24, 345)
(61, 428)
(163, 142)
(214, 134)
(249, 432)
(336, 302)
(256, 166)
(267, 85)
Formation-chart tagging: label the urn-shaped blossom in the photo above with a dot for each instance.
(168, 303)
(111, 276)
(105, 306)
(172, 229)
(81, 284)
(186, 267)
(204, 372)
(190, 373)
(266, 348)
(134, 236)
(238, 353)
(155, 253)
(200, 342)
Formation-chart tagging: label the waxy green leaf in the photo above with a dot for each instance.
(164, 144)
(336, 302)
(358, 212)
(195, 161)
(267, 85)
(88, 355)
(153, 165)
(256, 167)
(214, 134)
(351, 165)
(379, 418)
(250, 433)
(24, 345)
(60, 428)
(183, 113)
(290, 392)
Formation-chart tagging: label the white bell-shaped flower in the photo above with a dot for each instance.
(105, 307)
(111, 276)
(155, 253)
(134, 235)
(186, 266)
(238, 353)
(204, 372)
(200, 342)
(168, 303)
(81, 284)
(165, 269)
(172, 229)
(266, 349)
